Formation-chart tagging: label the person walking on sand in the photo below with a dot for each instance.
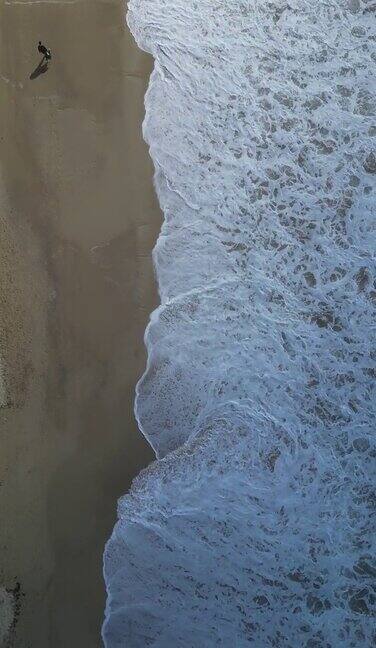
(43, 50)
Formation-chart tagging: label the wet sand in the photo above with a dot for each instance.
(78, 221)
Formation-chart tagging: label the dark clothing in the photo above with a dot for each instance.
(42, 49)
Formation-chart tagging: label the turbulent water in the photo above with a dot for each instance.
(256, 526)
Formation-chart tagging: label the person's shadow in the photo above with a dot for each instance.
(41, 68)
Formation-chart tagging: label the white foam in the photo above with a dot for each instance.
(255, 527)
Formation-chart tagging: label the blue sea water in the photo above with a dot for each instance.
(256, 525)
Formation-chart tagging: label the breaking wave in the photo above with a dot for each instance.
(256, 525)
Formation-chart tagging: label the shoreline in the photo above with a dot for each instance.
(80, 218)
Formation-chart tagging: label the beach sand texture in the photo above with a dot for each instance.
(78, 221)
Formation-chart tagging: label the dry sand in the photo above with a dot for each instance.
(78, 221)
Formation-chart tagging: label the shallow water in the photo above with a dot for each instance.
(255, 525)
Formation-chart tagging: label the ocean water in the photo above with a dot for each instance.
(256, 525)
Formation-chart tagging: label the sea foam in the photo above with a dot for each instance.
(256, 525)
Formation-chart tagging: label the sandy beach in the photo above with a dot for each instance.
(78, 220)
